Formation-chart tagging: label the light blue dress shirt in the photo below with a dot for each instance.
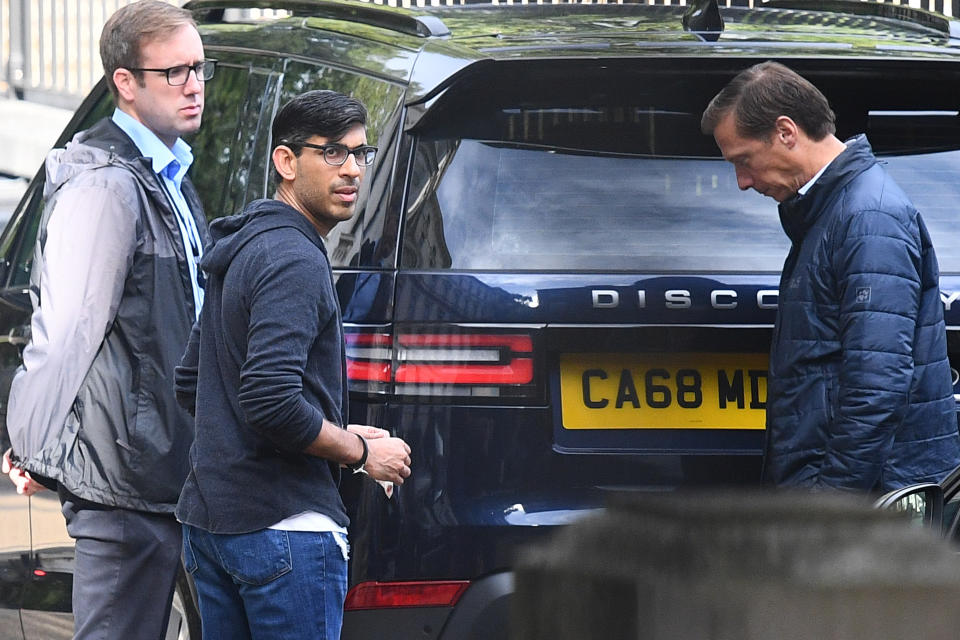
(170, 165)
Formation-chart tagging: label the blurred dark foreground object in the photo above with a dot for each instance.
(739, 566)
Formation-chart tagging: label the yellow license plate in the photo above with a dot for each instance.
(663, 390)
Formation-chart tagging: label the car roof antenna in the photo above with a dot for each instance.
(703, 18)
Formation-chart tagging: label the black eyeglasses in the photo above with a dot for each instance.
(177, 76)
(336, 154)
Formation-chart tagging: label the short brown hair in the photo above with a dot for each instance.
(132, 27)
(759, 95)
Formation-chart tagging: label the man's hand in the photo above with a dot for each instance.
(367, 432)
(26, 486)
(388, 459)
(372, 433)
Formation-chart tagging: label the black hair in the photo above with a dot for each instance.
(316, 113)
(320, 112)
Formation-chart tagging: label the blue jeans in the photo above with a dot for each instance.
(267, 584)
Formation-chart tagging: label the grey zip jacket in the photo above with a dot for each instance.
(93, 405)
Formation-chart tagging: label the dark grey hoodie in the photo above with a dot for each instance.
(263, 368)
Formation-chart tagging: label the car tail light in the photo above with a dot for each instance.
(461, 363)
(369, 356)
(392, 595)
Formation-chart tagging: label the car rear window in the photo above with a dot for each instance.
(628, 182)
(518, 207)
(932, 181)
(510, 207)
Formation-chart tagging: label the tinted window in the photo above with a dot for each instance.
(231, 152)
(931, 181)
(558, 188)
(20, 245)
(513, 207)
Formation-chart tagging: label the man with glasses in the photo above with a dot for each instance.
(265, 374)
(115, 288)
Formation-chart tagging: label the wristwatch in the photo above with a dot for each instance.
(357, 467)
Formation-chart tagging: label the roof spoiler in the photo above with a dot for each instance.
(890, 9)
(376, 15)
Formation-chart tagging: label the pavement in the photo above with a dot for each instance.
(27, 131)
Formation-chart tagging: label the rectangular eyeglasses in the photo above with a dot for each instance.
(336, 154)
(177, 76)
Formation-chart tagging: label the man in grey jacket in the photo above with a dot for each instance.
(115, 288)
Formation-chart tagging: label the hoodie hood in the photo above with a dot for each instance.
(230, 234)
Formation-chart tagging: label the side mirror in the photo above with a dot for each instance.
(921, 503)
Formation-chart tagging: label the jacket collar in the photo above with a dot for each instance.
(106, 135)
(105, 144)
(799, 213)
(109, 137)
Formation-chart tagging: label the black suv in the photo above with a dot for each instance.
(553, 287)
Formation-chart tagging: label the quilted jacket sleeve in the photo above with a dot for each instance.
(877, 274)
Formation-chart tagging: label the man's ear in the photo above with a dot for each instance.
(786, 131)
(285, 162)
(124, 79)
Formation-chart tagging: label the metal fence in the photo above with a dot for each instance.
(48, 48)
(49, 52)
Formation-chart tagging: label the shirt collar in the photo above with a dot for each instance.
(803, 190)
(172, 164)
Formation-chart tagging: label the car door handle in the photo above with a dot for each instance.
(19, 335)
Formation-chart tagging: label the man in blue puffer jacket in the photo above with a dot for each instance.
(859, 390)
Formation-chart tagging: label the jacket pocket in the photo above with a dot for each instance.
(830, 397)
